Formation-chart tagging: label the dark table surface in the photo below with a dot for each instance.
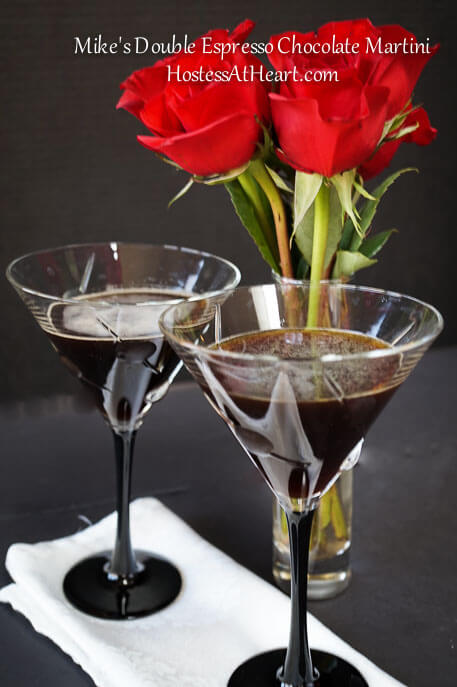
(401, 607)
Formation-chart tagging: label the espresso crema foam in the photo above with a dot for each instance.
(290, 344)
(298, 348)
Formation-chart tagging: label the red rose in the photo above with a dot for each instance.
(332, 126)
(206, 127)
(423, 135)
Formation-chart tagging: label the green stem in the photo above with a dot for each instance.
(260, 174)
(338, 519)
(252, 190)
(330, 505)
(320, 235)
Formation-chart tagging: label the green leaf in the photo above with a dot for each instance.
(305, 231)
(306, 189)
(182, 192)
(303, 269)
(372, 245)
(347, 262)
(279, 181)
(245, 211)
(343, 184)
(347, 234)
(369, 209)
(262, 209)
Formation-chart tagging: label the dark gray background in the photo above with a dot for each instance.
(73, 171)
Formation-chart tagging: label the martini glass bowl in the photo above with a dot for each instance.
(299, 400)
(99, 305)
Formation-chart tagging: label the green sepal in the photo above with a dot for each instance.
(279, 181)
(396, 121)
(373, 244)
(245, 211)
(306, 189)
(347, 262)
(267, 146)
(344, 183)
(182, 192)
(402, 132)
(215, 179)
(172, 163)
(362, 191)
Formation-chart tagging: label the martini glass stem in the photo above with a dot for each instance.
(298, 668)
(123, 564)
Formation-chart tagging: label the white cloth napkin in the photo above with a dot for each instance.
(223, 615)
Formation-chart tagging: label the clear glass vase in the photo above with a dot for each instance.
(330, 545)
(329, 555)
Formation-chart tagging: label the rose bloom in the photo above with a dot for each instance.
(330, 127)
(206, 127)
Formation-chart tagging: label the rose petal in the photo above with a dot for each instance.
(380, 160)
(282, 47)
(399, 72)
(130, 102)
(217, 148)
(338, 101)
(326, 147)
(145, 83)
(425, 132)
(214, 102)
(242, 31)
(148, 85)
(355, 30)
(159, 118)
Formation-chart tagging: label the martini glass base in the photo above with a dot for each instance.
(261, 671)
(89, 588)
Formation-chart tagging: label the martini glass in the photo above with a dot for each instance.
(298, 401)
(99, 304)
